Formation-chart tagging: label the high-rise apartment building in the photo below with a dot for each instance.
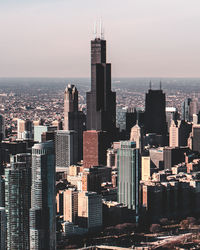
(129, 165)
(73, 118)
(66, 149)
(17, 205)
(43, 210)
(155, 116)
(101, 101)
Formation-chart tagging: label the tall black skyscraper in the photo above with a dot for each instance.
(155, 116)
(73, 118)
(101, 101)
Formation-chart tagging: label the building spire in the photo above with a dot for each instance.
(98, 30)
(137, 119)
(101, 30)
(95, 30)
(160, 85)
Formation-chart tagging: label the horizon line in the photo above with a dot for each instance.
(114, 77)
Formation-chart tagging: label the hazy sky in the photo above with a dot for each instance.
(145, 38)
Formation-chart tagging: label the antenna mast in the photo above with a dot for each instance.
(95, 30)
(101, 30)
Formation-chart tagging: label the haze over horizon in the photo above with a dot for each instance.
(145, 38)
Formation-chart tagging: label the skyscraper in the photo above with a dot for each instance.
(70, 205)
(195, 137)
(38, 130)
(137, 136)
(73, 118)
(186, 110)
(171, 114)
(66, 149)
(129, 165)
(17, 205)
(24, 129)
(134, 116)
(90, 210)
(179, 133)
(2, 228)
(193, 108)
(95, 145)
(2, 128)
(42, 212)
(155, 116)
(101, 101)
(173, 156)
(2, 191)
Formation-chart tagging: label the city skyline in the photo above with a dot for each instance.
(129, 180)
(50, 38)
(95, 163)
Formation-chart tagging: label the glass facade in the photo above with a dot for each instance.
(17, 205)
(128, 162)
(42, 213)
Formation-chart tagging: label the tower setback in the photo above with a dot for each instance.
(101, 101)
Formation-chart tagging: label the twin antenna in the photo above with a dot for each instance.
(98, 30)
(150, 85)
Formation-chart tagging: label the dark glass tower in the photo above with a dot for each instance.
(155, 116)
(101, 101)
(42, 212)
(186, 110)
(17, 201)
(73, 118)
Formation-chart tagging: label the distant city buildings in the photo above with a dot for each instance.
(71, 182)
(2, 127)
(24, 129)
(195, 138)
(190, 107)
